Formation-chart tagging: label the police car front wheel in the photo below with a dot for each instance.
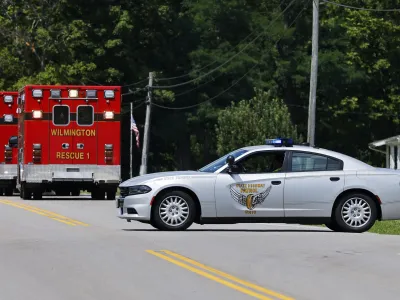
(174, 211)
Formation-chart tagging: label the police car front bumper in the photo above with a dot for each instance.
(135, 207)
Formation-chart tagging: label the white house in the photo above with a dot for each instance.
(391, 147)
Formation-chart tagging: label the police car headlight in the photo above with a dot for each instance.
(138, 189)
(8, 99)
(109, 94)
(37, 114)
(37, 93)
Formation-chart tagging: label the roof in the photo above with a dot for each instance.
(391, 141)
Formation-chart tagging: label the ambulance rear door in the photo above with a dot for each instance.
(84, 141)
(61, 126)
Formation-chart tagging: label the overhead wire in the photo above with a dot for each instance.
(362, 8)
(237, 81)
(228, 60)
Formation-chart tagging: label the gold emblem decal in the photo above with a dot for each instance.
(249, 195)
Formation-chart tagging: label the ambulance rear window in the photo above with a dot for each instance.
(85, 115)
(61, 115)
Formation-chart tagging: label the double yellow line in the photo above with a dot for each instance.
(222, 277)
(45, 213)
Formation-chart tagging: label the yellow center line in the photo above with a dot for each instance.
(227, 276)
(209, 276)
(46, 213)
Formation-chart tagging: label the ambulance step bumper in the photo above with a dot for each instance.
(73, 176)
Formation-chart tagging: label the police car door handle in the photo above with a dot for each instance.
(334, 178)
(276, 182)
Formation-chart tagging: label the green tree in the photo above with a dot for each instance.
(250, 122)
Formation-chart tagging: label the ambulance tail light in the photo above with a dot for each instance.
(108, 153)
(37, 153)
(108, 115)
(7, 154)
(37, 114)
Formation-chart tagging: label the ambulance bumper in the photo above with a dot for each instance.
(8, 172)
(71, 173)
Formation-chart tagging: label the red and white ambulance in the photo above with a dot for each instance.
(8, 140)
(69, 140)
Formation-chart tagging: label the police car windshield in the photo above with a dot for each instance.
(220, 162)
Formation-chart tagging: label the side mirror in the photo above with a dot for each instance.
(13, 142)
(230, 160)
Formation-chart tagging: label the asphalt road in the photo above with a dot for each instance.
(63, 249)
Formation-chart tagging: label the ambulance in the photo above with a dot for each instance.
(69, 140)
(9, 142)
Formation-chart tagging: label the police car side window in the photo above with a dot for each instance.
(262, 162)
(85, 115)
(61, 115)
(303, 162)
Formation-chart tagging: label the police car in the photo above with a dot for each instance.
(278, 182)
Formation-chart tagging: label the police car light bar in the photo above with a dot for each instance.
(278, 142)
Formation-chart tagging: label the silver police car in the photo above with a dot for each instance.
(278, 182)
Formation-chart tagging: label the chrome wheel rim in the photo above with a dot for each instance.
(356, 212)
(174, 211)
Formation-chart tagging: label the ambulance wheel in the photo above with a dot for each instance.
(26, 194)
(111, 194)
(37, 195)
(98, 194)
(8, 191)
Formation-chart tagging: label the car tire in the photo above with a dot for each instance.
(332, 225)
(355, 212)
(175, 204)
(8, 191)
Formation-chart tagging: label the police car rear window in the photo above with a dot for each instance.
(61, 115)
(85, 115)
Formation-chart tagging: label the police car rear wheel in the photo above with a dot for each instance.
(356, 212)
(174, 211)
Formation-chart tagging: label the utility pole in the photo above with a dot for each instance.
(146, 137)
(313, 78)
(131, 146)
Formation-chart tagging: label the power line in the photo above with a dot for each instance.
(237, 81)
(136, 83)
(361, 8)
(231, 58)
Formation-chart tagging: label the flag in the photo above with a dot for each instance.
(135, 129)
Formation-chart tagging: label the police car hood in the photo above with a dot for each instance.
(149, 177)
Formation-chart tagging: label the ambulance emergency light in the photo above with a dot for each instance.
(8, 118)
(109, 94)
(8, 99)
(37, 114)
(73, 93)
(55, 94)
(37, 93)
(91, 94)
(108, 115)
(279, 142)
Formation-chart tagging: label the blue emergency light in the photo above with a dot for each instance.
(279, 142)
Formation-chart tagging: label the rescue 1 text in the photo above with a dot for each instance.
(72, 155)
(73, 132)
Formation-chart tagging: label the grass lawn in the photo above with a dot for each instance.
(385, 227)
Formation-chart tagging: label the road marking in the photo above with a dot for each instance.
(215, 278)
(46, 213)
(228, 276)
